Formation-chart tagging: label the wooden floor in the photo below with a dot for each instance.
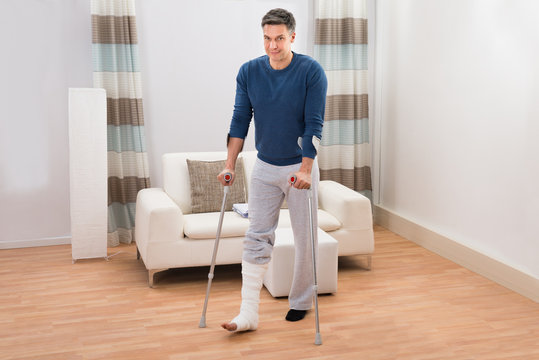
(413, 305)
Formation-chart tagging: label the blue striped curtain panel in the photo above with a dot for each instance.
(341, 48)
(117, 70)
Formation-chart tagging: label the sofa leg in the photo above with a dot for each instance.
(369, 262)
(151, 273)
(365, 261)
(138, 254)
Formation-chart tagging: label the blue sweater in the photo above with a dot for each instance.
(287, 104)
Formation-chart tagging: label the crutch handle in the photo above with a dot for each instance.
(292, 180)
(228, 178)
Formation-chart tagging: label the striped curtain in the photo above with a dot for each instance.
(116, 69)
(341, 48)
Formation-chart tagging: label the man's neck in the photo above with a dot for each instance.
(283, 63)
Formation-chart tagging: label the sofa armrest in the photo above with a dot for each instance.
(158, 218)
(351, 208)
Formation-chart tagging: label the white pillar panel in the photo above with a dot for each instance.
(88, 172)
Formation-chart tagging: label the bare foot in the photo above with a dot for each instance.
(229, 326)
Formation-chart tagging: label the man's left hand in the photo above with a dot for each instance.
(303, 180)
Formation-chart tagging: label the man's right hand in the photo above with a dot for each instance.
(221, 177)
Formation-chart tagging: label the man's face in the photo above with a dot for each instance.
(278, 43)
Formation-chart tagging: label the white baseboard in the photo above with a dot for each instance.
(15, 244)
(481, 264)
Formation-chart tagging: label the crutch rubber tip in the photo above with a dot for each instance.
(202, 323)
(318, 339)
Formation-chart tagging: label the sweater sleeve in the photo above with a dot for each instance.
(315, 104)
(243, 110)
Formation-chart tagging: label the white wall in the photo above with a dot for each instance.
(190, 55)
(46, 48)
(458, 150)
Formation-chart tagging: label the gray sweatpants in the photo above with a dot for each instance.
(268, 188)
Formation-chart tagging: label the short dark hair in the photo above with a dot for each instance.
(278, 17)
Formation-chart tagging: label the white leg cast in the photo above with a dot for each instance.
(252, 278)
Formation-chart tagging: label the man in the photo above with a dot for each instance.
(286, 92)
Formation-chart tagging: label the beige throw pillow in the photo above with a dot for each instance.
(207, 191)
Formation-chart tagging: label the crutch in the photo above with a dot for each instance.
(318, 337)
(226, 190)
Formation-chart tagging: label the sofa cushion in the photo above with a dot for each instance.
(204, 226)
(207, 191)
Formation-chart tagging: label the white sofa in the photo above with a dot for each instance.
(168, 235)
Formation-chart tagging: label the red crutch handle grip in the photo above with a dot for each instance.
(293, 178)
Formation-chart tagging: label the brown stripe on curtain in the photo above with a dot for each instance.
(341, 31)
(125, 190)
(124, 112)
(347, 107)
(114, 29)
(358, 179)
